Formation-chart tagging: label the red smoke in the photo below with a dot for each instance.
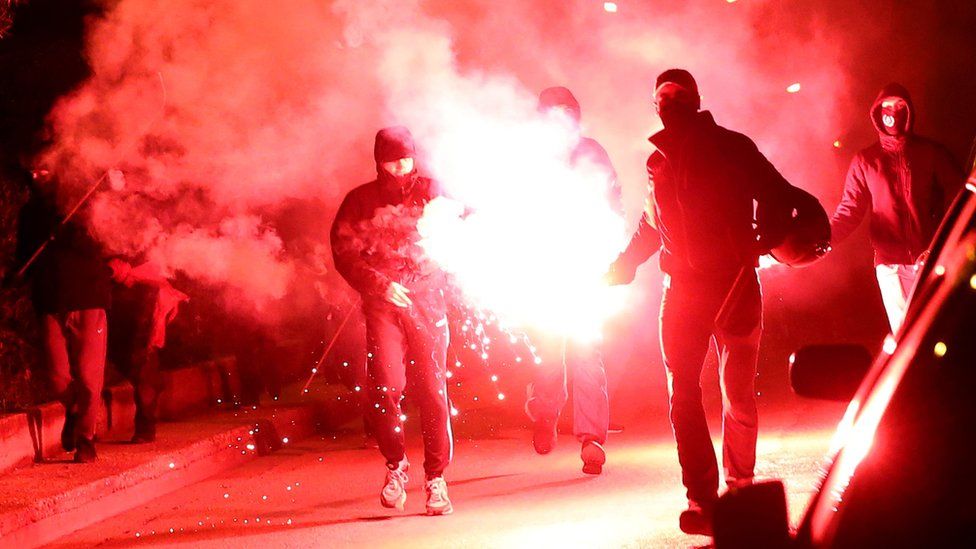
(220, 111)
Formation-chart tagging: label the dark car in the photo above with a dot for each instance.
(901, 472)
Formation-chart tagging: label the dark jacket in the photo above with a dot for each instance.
(71, 274)
(906, 183)
(703, 181)
(375, 240)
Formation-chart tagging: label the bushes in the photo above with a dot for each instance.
(19, 354)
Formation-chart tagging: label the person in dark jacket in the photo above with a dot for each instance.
(71, 291)
(906, 182)
(547, 393)
(143, 303)
(375, 248)
(704, 180)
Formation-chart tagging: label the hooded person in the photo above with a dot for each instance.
(547, 394)
(905, 183)
(705, 182)
(375, 247)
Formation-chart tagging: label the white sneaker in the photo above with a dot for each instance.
(437, 501)
(394, 494)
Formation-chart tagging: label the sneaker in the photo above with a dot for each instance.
(85, 452)
(544, 435)
(594, 456)
(68, 432)
(437, 501)
(696, 519)
(394, 494)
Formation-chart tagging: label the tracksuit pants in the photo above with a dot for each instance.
(74, 345)
(688, 324)
(895, 283)
(591, 405)
(409, 345)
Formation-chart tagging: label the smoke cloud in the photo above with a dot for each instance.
(220, 111)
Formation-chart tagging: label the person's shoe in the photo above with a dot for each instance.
(68, 432)
(697, 519)
(394, 494)
(544, 435)
(85, 451)
(437, 501)
(594, 456)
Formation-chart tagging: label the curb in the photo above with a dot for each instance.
(35, 434)
(256, 433)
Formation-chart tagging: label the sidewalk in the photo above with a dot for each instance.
(44, 501)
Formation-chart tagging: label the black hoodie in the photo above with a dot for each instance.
(905, 182)
(374, 236)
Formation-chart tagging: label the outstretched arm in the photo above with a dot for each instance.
(643, 244)
(854, 205)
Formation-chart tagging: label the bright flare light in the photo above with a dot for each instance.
(793, 88)
(538, 233)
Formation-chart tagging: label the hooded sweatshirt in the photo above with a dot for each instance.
(905, 182)
(374, 236)
(587, 151)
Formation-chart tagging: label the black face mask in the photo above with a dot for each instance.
(676, 114)
(894, 121)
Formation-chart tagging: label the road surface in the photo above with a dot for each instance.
(323, 492)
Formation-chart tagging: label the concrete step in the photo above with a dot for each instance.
(35, 434)
(48, 500)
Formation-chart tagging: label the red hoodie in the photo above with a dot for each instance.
(905, 182)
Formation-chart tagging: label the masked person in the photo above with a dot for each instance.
(704, 180)
(906, 182)
(143, 303)
(547, 394)
(375, 247)
(71, 291)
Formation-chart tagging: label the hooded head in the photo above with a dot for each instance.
(559, 97)
(676, 97)
(394, 153)
(893, 115)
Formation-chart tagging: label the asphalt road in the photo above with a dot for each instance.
(323, 492)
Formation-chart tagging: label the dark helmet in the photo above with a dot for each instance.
(807, 235)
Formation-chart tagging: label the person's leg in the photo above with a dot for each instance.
(547, 393)
(737, 345)
(893, 294)
(147, 382)
(58, 368)
(88, 337)
(386, 378)
(427, 340)
(591, 405)
(685, 331)
(545, 398)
